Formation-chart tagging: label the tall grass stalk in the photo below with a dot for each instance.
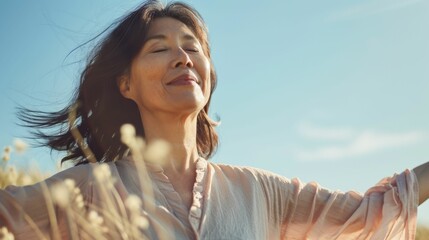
(118, 216)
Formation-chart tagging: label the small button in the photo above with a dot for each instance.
(196, 212)
(197, 195)
(198, 188)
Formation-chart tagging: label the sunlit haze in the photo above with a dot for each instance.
(329, 91)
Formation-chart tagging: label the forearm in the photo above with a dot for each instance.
(422, 173)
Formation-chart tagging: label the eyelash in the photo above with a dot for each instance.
(192, 50)
(195, 50)
(159, 50)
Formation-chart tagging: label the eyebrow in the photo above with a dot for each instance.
(163, 37)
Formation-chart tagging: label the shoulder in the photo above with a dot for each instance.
(27, 195)
(250, 173)
(90, 179)
(86, 172)
(79, 174)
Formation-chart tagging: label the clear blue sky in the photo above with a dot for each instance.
(330, 91)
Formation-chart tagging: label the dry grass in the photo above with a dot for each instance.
(115, 218)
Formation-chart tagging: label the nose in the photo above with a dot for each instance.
(182, 59)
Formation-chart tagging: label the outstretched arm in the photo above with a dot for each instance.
(387, 210)
(422, 173)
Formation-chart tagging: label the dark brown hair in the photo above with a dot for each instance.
(102, 110)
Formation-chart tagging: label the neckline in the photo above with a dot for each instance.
(192, 215)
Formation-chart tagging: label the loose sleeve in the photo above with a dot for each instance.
(306, 211)
(24, 211)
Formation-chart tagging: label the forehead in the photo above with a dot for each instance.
(168, 26)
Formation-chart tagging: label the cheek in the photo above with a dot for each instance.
(150, 71)
(146, 83)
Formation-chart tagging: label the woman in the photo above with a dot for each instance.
(154, 70)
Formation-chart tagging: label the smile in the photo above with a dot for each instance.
(184, 79)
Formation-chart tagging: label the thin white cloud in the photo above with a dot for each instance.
(313, 132)
(368, 8)
(360, 143)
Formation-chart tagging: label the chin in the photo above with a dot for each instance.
(188, 106)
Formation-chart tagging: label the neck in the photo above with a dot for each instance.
(180, 133)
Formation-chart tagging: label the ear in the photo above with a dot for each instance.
(123, 83)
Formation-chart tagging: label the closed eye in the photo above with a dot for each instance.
(159, 50)
(192, 50)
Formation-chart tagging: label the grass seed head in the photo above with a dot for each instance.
(140, 222)
(102, 173)
(60, 195)
(133, 203)
(5, 157)
(157, 151)
(20, 145)
(128, 134)
(7, 149)
(5, 234)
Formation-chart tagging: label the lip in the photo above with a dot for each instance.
(184, 79)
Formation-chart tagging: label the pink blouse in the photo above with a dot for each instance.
(232, 202)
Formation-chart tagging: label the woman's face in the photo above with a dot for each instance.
(171, 73)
